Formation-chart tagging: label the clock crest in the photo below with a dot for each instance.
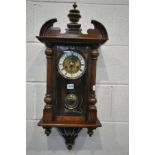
(71, 77)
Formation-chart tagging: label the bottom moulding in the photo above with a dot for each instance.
(70, 133)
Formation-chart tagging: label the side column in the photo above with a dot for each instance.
(48, 109)
(92, 112)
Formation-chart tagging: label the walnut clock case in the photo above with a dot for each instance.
(71, 77)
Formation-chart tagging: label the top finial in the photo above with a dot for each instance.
(74, 16)
(74, 5)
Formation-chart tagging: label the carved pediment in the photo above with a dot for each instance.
(49, 33)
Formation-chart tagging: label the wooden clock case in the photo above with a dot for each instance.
(69, 124)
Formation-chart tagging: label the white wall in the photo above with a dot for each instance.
(112, 77)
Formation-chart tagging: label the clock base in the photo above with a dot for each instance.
(69, 131)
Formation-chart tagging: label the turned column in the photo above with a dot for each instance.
(92, 112)
(48, 109)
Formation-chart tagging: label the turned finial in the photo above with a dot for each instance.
(74, 5)
(74, 16)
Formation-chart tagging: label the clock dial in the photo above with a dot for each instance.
(71, 65)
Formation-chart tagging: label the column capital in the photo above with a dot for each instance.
(94, 54)
(48, 52)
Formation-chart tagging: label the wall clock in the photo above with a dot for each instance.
(71, 77)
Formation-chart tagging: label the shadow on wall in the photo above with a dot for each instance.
(55, 142)
(105, 141)
(80, 143)
(36, 63)
(101, 74)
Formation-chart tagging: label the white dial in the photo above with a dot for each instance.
(71, 65)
